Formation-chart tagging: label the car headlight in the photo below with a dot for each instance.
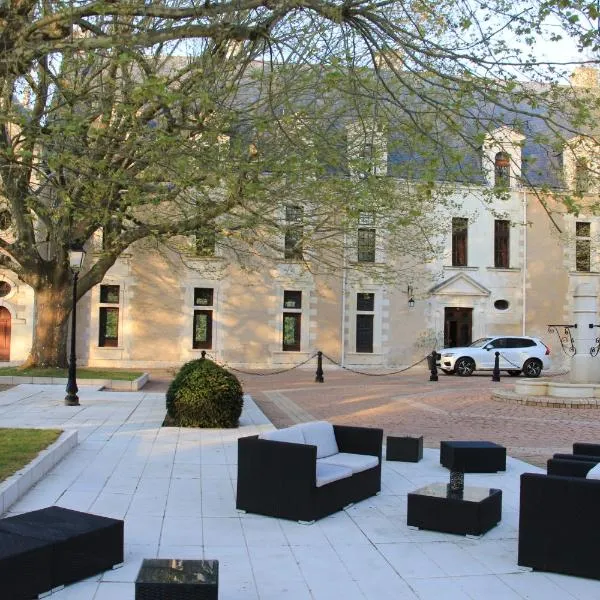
(448, 355)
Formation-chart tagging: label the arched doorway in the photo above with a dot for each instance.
(5, 322)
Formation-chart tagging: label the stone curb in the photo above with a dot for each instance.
(547, 401)
(114, 384)
(16, 485)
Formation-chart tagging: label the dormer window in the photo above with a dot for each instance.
(367, 149)
(502, 170)
(501, 158)
(581, 164)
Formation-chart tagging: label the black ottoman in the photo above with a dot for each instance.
(405, 449)
(25, 567)
(76, 545)
(473, 457)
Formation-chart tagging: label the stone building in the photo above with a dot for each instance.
(506, 268)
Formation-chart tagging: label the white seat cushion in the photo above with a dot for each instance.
(594, 472)
(320, 434)
(356, 462)
(287, 434)
(328, 473)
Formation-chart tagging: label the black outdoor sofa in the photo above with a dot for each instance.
(283, 479)
(559, 521)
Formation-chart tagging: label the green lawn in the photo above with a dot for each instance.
(19, 447)
(82, 373)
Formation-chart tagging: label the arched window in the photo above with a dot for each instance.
(502, 170)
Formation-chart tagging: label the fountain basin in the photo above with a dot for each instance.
(551, 394)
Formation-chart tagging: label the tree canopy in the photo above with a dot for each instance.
(163, 119)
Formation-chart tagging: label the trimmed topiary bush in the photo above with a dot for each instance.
(203, 394)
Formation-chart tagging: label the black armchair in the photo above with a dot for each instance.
(584, 457)
(278, 478)
(559, 524)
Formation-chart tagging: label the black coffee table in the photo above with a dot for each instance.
(473, 511)
(176, 579)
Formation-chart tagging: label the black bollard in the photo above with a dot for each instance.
(203, 354)
(319, 377)
(496, 371)
(432, 359)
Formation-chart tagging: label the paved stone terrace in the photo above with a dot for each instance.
(175, 489)
(452, 408)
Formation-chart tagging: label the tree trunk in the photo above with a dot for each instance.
(52, 310)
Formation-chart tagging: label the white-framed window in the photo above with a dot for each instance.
(501, 243)
(294, 232)
(502, 170)
(366, 237)
(292, 321)
(501, 158)
(365, 317)
(202, 324)
(581, 165)
(109, 313)
(460, 241)
(367, 149)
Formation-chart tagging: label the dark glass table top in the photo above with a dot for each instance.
(468, 494)
(170, 570)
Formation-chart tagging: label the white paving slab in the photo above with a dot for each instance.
(175, 490)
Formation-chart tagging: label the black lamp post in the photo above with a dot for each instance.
(76, 256)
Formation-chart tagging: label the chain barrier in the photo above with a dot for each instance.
(319, 377)
(519, 368)
(315, 355)
(374, 374)
(226, 366)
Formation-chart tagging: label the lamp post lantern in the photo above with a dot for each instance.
(76, 256)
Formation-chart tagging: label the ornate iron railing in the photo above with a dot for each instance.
(566, 340)
(595, 349)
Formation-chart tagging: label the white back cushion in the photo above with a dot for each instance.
(320, 434)
(288, 434)
(594, 472)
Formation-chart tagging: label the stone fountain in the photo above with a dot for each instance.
(583, 388)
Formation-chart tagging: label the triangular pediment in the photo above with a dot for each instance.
(459, 285)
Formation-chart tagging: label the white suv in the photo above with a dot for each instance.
(518, 354)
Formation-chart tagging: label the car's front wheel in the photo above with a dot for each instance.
(464, 366)
(514, 372)
(532, 367)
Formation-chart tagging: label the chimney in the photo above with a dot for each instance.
(586, 77)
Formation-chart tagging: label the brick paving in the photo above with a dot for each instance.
(408, 403)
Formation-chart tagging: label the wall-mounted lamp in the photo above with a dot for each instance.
(409, 293)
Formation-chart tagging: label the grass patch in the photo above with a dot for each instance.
(82, 373)
(18, 447)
